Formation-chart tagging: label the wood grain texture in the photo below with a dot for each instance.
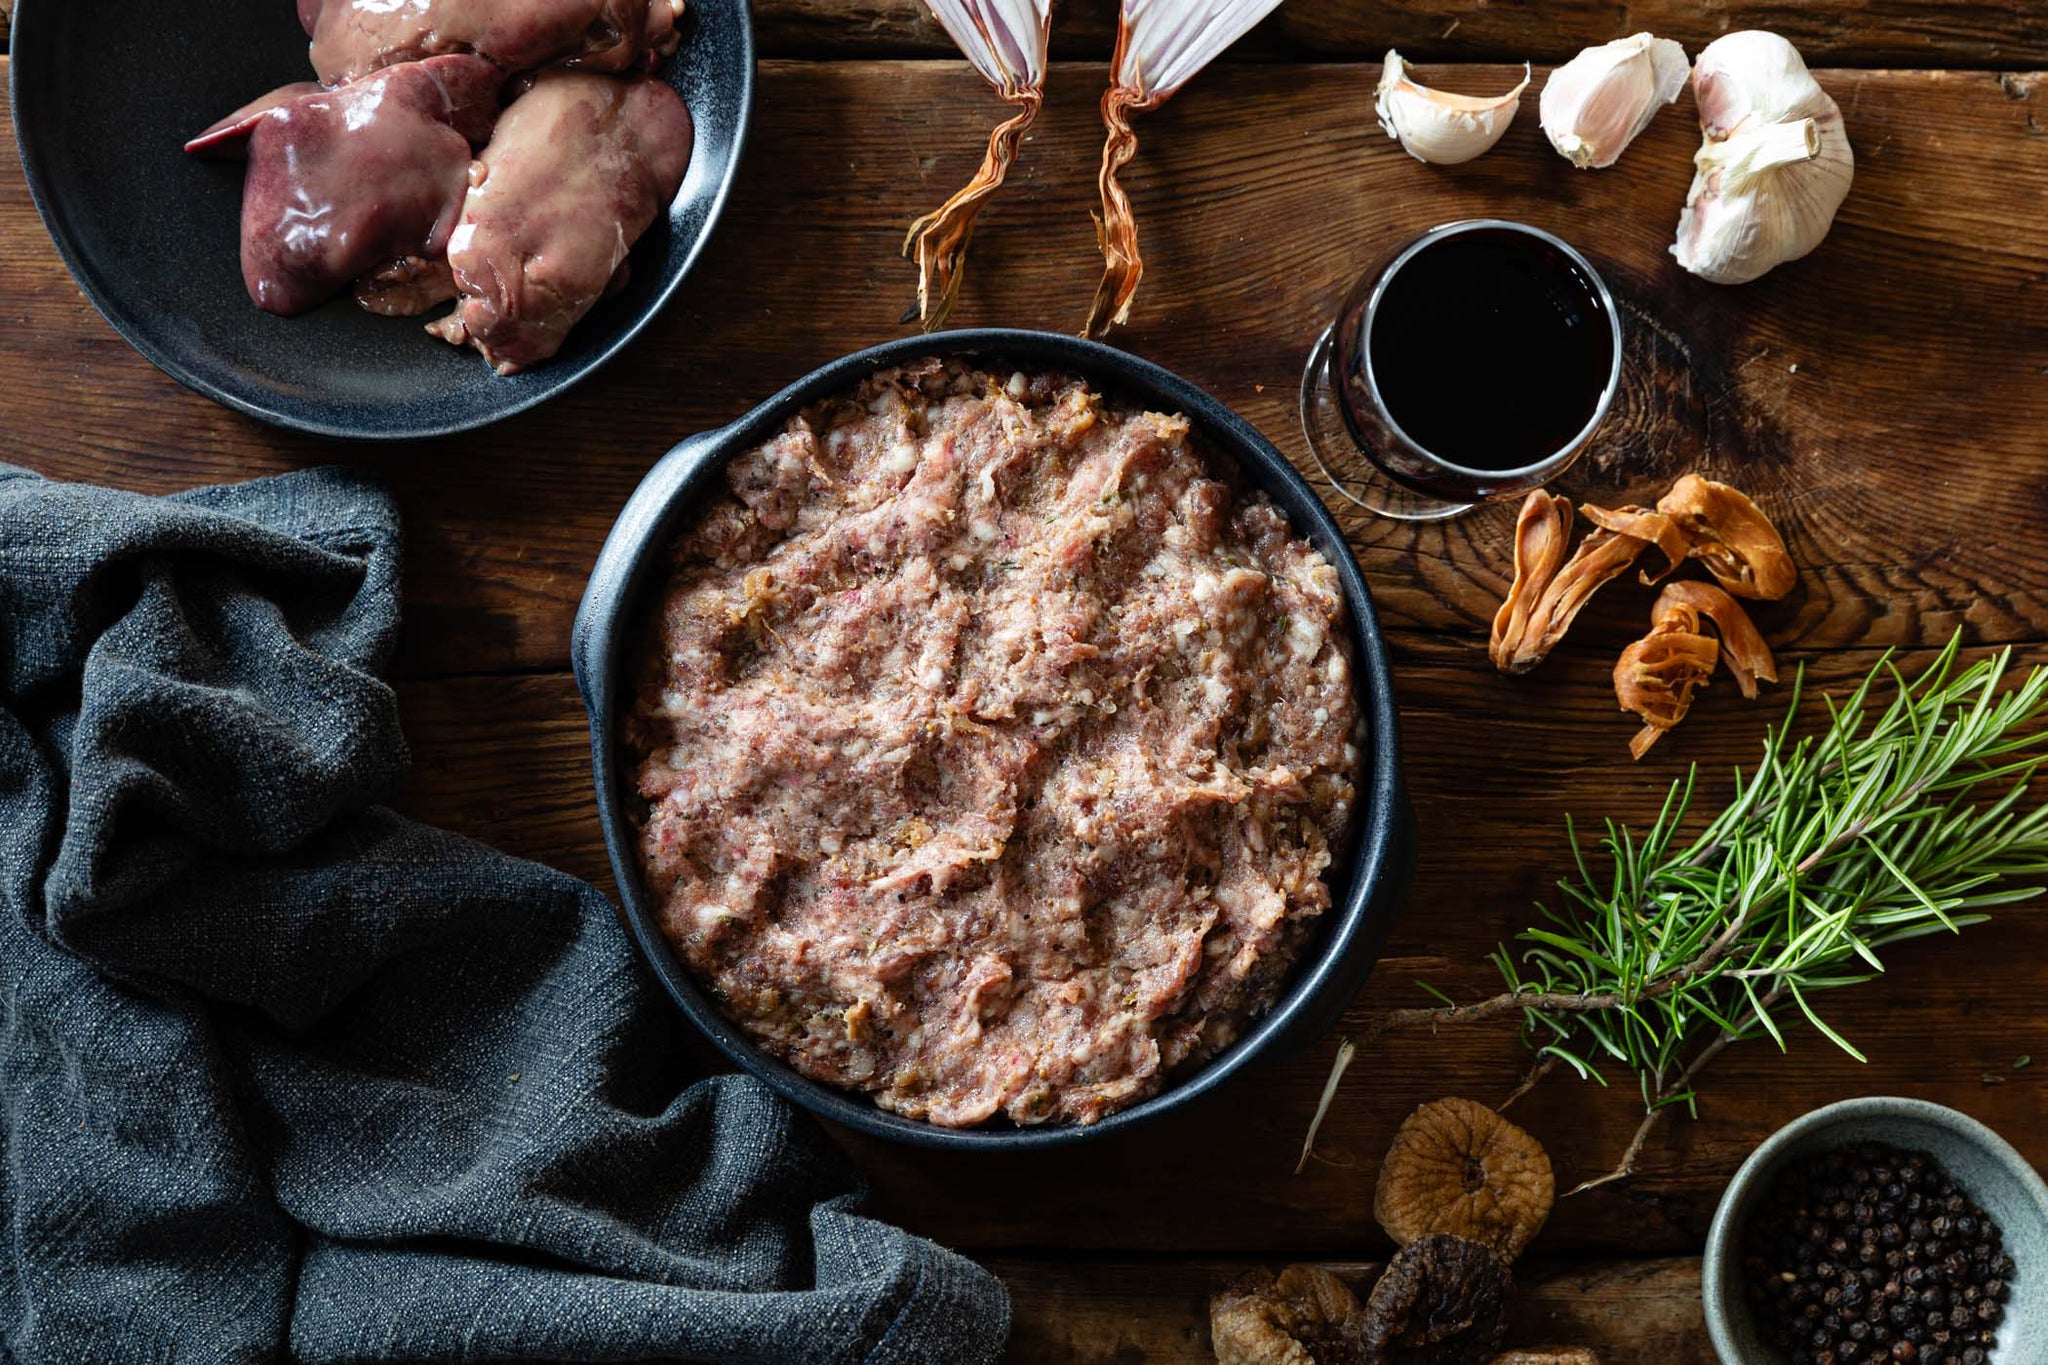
(1886, 398)
(1125, 1312)
(1493, 768)
(1960, 34)
(1999, 34)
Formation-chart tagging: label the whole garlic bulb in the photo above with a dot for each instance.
(1595, 104)
(1436, 126)
(1773, 168)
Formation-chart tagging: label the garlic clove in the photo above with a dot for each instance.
(1437, 127)
(1595, 104)
(1774, 166)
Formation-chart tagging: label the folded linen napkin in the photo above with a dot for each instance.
(286, 1076)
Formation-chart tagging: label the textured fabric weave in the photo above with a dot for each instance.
(284, 1076)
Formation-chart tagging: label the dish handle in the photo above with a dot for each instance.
(593, 638)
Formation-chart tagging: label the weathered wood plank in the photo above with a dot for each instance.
(1907, 455)
(1493, 767)
(1116, 1312)
(1983, 34)
(2000, 34)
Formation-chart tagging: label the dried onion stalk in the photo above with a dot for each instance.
(1160, 45)
(1006, 42)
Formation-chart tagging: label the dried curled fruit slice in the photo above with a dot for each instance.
(1657, 675)
(1304, 1315)
(1441, 1302)
(1546, 597)
(1456, 1166)
(1644, 524)
(1742, 647)
(1732, 537)
(1543, 531)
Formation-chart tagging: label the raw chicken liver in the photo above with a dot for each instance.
(354, 37)
(343, 182)
(579, 167)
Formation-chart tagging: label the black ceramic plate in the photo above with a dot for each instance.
(105, 94)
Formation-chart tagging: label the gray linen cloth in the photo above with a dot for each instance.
(285, 1076)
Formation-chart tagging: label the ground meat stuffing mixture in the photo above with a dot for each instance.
(993, 748)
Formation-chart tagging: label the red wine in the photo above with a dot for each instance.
(1491, 348)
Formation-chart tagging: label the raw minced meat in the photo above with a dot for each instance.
(994, 743)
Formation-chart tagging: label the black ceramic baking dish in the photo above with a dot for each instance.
(1366, 881)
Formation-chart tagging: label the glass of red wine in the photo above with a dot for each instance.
(1473, 365)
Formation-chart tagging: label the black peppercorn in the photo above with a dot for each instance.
(1869, 1254)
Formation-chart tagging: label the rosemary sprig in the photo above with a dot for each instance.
(1894, 822)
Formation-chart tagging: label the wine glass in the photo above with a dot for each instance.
(1471, 366)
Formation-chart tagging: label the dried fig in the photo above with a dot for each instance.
(1732, 537)
(1304, 1315)
(1440, 1302)
(1456, 1166)
(1742, 647)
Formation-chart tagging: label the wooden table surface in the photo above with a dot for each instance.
(1886, 400)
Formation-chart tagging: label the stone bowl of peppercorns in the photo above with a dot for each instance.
(1877, 1231)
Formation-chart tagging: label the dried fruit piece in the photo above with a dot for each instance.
(1548, 1355)
(1304, 1315)
(1644, 524)
(1601, 558)
(1456, 1166)
(1742, 647)
(1542, 534)
(1657, 675)
(1732, 537)
(1440, 1302)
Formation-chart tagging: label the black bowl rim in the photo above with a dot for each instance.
(119, 318)
(1319, 987)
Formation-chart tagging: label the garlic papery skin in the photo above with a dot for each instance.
(1436, 126)
(1595, 104)
(1774, 165)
